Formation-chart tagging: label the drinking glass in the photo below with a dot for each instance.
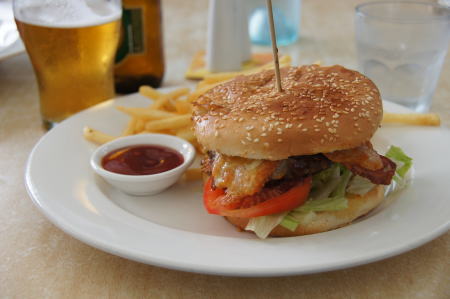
(401, 46)
(72, 45)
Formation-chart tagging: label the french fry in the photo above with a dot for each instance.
(200, 86)
(193, 174)
(149, 92)
(170, 105)
(174, 122)
(220, 77)
(129, 130)
(96, 136)
(199, 91)
(139, 125)
(159, 103)
(415, 119)
(225, 76)
(178, 93)
(284, 60)
(147, 113)
(183, 107)
(164, 99)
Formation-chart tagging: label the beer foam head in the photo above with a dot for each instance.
(67, 13)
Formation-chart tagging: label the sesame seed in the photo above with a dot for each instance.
(279, 140)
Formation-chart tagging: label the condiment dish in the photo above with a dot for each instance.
(149, 184)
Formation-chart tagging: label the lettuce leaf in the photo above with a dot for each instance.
(359, 185)
(345, 177)
(402, 173)
(263, 225)
(319, 205)
(327, 194)
(325, 182)
(403, 162)
(292, 220)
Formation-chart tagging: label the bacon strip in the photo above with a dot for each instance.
(364, 156)
(381, 176)
(366, 162)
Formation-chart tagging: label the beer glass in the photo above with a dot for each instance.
(72, 45)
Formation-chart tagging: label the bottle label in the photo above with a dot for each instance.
(132, 35)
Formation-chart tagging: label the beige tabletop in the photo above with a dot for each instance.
(38, 260)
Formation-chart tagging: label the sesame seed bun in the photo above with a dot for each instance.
(321, 109)
(324, 221)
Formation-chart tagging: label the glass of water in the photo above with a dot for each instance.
(401, 46)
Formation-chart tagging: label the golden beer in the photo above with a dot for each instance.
(73, 65)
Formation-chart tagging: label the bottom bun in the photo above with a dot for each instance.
(325, 221)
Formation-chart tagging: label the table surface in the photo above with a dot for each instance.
(38, 260)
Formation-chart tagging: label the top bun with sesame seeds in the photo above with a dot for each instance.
(320, 110)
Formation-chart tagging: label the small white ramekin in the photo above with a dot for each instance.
(141, 185)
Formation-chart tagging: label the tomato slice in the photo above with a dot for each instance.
(286, 201)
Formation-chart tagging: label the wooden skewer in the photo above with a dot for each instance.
(274, 45)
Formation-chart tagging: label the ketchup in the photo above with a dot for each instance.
(142, 160)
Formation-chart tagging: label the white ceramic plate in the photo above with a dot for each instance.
(172, 229)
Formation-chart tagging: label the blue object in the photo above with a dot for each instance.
(286, 17)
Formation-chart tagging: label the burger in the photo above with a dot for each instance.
(294, 162)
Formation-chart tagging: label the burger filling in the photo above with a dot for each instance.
(251, 188)
(245, 177)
